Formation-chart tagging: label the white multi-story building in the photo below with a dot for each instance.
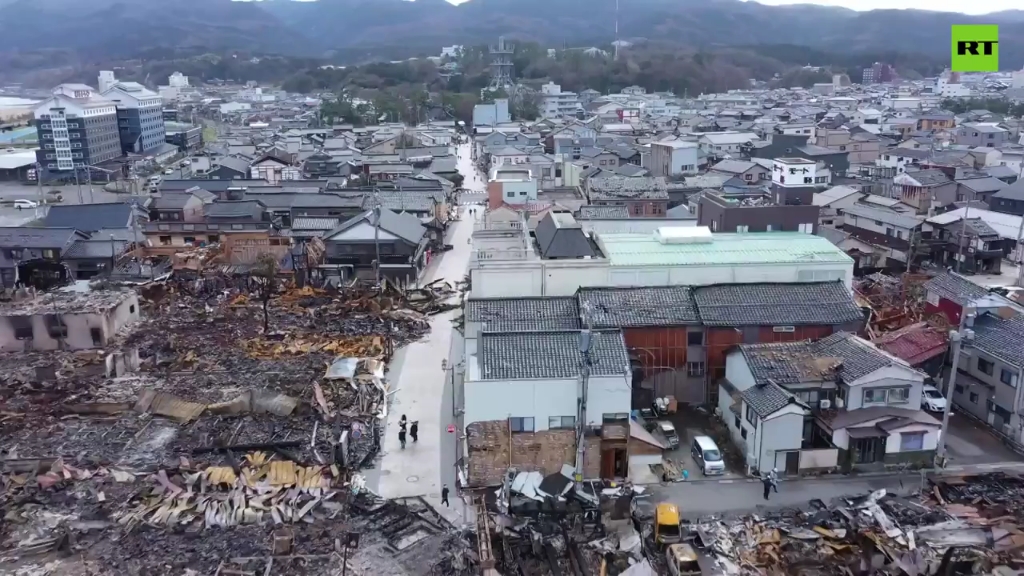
(798, 173)
(555, 103)
(177, 80)
(106, 80)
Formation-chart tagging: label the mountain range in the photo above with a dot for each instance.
(122, 28)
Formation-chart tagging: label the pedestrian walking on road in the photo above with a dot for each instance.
(775, 479)
(767, 481)
(414, 430)
(444, 495)
(401, 438)
(402, 422)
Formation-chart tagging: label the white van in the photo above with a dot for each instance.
(707, 456)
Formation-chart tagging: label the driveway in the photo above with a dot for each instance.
(968, 443)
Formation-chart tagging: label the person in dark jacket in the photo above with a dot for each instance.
(401, 437)
(414, 430)
(444, 495)
(767, 481)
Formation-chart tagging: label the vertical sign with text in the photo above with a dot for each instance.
(975, 48)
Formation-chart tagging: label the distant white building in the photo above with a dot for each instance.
(177, 80)
(556, 103)
(106, 80)
(451, 51)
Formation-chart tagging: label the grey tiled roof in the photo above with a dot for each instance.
(524, 314)
(635, 307)
(766, 398)
(640, 187)
(955, 288)
(532, 355)
(1002, 338)
(89, 217)
(776, 304)
(95, 249)
(596, 212)
(841, 355)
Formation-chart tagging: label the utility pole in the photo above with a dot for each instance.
(963, 233)
(1020, 251)
(586, 344)
(376, 230)
(957, 338)
(79, 184)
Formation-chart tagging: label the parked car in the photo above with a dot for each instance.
(932, 400)
(19, 204)
(169, 171)
(707, 456)
(668, 430)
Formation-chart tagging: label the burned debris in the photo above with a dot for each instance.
(211, 438)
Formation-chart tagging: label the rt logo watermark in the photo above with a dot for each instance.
(975, 48)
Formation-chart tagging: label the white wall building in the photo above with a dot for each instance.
(106, 80)
(534, 379)
(673, 157)
(555, 103)
(687, 256)
(798, 173)
(65, 320)
(177, 80)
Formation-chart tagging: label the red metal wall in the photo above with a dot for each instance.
(657, 347)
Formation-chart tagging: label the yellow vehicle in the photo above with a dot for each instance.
(682, 560)
(666, 524)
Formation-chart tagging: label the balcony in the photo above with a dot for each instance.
(500, 255)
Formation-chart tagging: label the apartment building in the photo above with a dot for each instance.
(76, 127)
(140, 119)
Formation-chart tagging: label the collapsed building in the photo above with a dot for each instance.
(215, 428)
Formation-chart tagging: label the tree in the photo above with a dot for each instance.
(264, 283)
(525, 104)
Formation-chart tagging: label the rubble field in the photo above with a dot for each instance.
(222, 435)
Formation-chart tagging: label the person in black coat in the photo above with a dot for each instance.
(414, 430)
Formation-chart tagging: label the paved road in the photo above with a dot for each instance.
(703, 498)
(424, 393)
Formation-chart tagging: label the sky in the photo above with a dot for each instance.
(976, 7)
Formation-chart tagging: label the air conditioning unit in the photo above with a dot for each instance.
(825, 404)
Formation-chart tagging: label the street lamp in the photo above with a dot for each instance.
(962, 336)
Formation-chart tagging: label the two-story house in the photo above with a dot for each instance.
(982, 135)
(745, 170)
(400, 239)
(33, 256)
(834, 403)
(925, 190)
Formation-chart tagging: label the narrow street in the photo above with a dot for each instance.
(424, 393)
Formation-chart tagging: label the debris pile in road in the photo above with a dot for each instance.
(198, 442)
(964, 525)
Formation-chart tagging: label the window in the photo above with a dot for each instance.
(807, 228)
(695, 368)
(50, 254)
(714, 225)
(910, 441)
(22, 327)
(1008, 377)
(886, 395)
(131, 309)
(638, 210)
(561, 422)
(751, 415)
(743, 433)
(55, 327)
(959, 389)
(165, 240)
(985, 366)
(748, 177)
(213, 238)
(808, 180)
(237, 227)
(694, 338)
(738, 422)
(521, 424)
(974, 397)
(742, 229)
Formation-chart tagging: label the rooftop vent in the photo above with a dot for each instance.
(683, 235)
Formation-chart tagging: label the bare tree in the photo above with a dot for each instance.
(263, 281)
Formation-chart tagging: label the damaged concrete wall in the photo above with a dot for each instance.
(490, 453)
(58, 331)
